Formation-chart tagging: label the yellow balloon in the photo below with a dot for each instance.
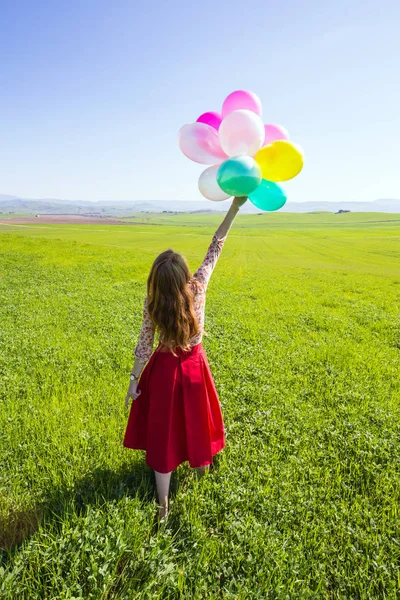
(280, 161)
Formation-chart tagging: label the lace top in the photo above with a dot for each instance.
(145, 343)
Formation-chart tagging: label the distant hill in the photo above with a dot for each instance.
(382, 205)
(13, 204)
(73, 207)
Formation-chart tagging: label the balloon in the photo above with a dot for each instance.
(200, 143)
(239, 176)
(210, 118)
(280, 161)
(273, 133)
(209, 187)
(241, 133)
(268, 196)
(239, 100)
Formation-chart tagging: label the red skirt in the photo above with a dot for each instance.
(177, 416)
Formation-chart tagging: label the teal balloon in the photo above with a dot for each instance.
(239, 176)
(268, 196)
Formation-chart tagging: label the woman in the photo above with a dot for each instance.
(176, 416)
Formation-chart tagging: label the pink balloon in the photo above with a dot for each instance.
(200, 143)
(241, 99)
(211, 118)
(273, 133)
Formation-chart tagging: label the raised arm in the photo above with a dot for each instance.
(204, 272)
(226, 224)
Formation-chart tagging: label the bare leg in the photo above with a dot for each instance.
(162, 483)
(202, 470)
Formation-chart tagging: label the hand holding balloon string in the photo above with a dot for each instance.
(238, 201)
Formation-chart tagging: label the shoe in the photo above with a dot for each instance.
(162, 512)
(201, 471)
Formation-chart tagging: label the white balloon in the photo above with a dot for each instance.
(241, 133)
(209, 187)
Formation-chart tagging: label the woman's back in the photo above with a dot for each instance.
(198, 285)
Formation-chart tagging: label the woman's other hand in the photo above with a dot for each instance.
(239, 201)
(133, 392)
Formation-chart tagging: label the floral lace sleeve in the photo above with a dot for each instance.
(204, 272)
(144, 347)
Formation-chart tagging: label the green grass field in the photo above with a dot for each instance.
(303, 322)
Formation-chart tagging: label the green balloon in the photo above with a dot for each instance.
(239, 176)
(268, 196)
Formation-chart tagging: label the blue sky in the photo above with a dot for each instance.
(92, 92)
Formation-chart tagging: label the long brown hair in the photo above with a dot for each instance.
(170, 300)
